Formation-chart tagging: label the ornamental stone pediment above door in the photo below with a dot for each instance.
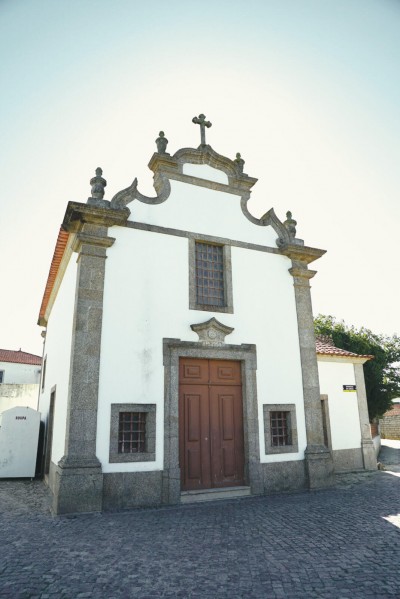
(212, 332)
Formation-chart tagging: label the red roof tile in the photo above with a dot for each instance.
(55, 265)
(19, 357)
(326, 347)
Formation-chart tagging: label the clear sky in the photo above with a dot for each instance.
(307, 90)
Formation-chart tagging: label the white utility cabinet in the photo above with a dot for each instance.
(19, 435)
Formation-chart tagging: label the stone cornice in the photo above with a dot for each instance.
(78, 214)
(206, 155)
(71, 238)
(301, 255)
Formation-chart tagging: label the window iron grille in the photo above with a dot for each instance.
(280, 429)
(210, 288)
(132, 432)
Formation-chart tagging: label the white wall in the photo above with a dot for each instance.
(203, 210)
(12, 396)
(377, 444)
(21, 374)
(58, 351)
(146, 299)
(343, 406)
(203, 171)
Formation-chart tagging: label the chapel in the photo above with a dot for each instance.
(179, 359)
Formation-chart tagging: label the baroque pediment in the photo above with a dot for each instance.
(166, 168)
(212, 332)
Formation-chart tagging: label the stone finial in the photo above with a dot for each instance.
(290, 224)
(239, 162)
(98, 184)
(162, 143)
(201, 120)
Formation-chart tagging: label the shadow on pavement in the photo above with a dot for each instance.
(389, 454)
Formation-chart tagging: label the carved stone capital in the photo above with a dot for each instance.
(212, 332)
(93, 240)
(302, 276)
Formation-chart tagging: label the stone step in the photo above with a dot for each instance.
(214, 494)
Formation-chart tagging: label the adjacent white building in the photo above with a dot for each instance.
(344, 406)
(19, 379)
(180, 354)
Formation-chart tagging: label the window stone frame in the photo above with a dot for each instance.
(283, 407)
(227, 262)
(149, 455)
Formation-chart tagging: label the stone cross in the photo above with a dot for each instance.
(201, 120)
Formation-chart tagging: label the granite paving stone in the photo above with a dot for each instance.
(341, 543)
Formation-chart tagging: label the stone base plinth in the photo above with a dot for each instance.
(128, 490)
(319, 467)
(281, 477)
(78, 487)
(369, 455)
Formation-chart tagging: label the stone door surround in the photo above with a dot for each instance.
(246, 354)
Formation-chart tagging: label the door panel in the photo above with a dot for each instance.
(223, 372)
(228, 463)
(210, 424)
(227, 419)
(193, 415)
(193, 465)
(194, 446)
(226, 425)
(193, 371)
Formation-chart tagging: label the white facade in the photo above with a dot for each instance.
(344, 405)
(19, 381)
(20, 374)
(121, 310)
(158, 307)
(57, 357)
(18, 395)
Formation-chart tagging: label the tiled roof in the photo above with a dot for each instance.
(326, 347)
(55, 265)
(19, 357)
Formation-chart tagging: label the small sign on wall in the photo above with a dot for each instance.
(349, 388)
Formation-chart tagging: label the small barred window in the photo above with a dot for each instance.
(210, 288)
(132, 432)
(280, 429)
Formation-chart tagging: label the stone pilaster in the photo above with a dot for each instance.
(367, 446)
(78, 479)
(319, 464)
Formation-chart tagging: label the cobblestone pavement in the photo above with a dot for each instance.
(342, 543)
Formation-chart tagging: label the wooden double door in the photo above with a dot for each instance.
(211, 447)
